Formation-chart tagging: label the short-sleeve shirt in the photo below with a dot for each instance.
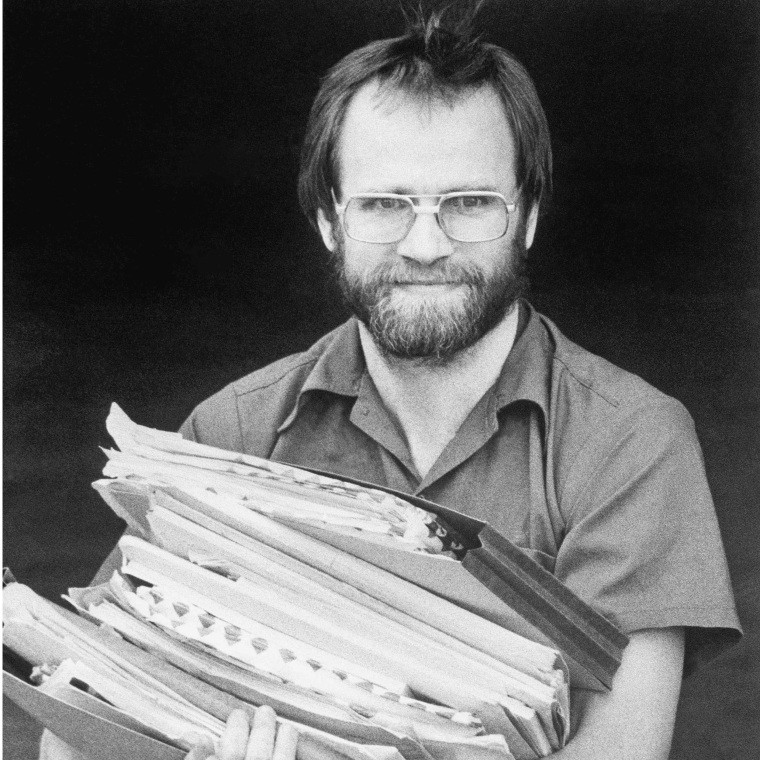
(593, 472)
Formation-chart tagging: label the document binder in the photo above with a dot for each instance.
(417, 593)
(498, 581)
(85, 730)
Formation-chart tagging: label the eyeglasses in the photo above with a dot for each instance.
(468, 217)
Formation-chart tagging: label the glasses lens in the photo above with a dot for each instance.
(373, 219)
(474, 218)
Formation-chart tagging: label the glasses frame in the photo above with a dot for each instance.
(442, 197)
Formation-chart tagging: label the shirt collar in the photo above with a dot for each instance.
(338, 369)
(526, 375)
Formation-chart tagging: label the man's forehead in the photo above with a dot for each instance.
(393, 139)
(379, 99)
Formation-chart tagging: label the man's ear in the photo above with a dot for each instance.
(530, 226)
(326, 230)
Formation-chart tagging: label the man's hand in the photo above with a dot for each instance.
(635, 720)
(264, 741)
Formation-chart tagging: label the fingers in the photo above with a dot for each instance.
(261, 743)
(237, 744)
(286, 744)
(202, 749)
(233, 743)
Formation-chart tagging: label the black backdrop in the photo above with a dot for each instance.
(154, 249)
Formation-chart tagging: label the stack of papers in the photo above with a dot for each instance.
(253, 582)
(286, 493)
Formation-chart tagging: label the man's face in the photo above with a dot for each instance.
(428, 296)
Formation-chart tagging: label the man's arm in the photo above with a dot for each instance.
(635, 720)
(632, 722)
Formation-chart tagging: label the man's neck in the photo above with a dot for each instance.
(430, 401)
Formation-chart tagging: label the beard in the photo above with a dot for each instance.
(434, 327)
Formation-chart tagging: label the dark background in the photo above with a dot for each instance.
(154, 249)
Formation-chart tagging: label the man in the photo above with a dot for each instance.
(425, 164)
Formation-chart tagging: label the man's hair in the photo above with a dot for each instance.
(429, 63)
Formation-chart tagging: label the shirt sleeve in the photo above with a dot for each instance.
(642, 543)
(215, 422)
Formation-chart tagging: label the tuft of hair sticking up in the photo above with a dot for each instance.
(430, 61)
(457, 15)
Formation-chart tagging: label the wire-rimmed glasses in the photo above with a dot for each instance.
(473, 216)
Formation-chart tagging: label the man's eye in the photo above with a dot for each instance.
(379, 204)
(475, 201)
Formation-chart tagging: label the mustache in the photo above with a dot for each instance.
(413, 273)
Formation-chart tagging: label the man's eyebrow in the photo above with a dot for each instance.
(403, 190)
(469, 188)
(397, 190)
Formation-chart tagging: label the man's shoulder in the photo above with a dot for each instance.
(246, 413)
(289, 370)
(606, 424)
(593, 397)
(597, 381)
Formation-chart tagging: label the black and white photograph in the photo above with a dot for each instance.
(381, 380)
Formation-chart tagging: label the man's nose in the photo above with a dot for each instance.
(426, 242)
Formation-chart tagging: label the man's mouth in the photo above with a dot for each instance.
(422, 283)
(423, 279)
